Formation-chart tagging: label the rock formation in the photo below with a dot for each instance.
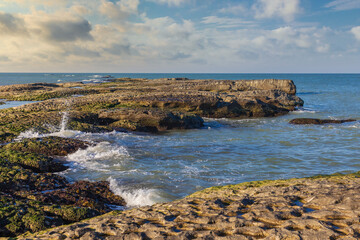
(323, 207)
(33, 198)
(303, 121)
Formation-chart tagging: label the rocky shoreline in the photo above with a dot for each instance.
(322, 207)
(34, 197)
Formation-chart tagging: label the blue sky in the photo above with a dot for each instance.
(258, 36)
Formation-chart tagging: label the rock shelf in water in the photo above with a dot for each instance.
(315, 121)
(142, 104)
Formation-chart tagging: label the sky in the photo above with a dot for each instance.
(177, 36)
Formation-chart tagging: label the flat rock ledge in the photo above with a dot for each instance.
(322, 207)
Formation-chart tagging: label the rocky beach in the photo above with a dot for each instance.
(35, 197)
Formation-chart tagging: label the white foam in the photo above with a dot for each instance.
(136, 197)
(29, 134)
(303, 110)
(93, 156)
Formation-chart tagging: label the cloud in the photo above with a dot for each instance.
(170, 2)
(286, 9)
(66, 30)
(235, 9)
(226, 22)
(119, 10)
(4, 59)
(356, 32)
(340, 5)
(10, 24)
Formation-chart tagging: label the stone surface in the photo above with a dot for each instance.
(324, 207)
(316, 121)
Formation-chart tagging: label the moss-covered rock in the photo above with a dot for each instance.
(48, 146)
(34, 161)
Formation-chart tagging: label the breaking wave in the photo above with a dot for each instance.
(136, 197)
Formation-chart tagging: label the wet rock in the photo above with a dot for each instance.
(149, 120)
(48, 146)
(32, 198)
(14, 178)
(94, 195)
(38, 163)
(319, 121)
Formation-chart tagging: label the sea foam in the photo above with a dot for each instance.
(97, 157)
(136, 197)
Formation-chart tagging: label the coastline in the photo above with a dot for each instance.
(126, 105)
(319, 207)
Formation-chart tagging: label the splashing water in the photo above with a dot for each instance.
(136, 197)
(64, 121)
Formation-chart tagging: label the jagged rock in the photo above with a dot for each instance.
(319, 121)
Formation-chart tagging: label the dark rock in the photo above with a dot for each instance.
(94, 195)
(319, 121)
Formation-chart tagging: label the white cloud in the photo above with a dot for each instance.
(356, 32)
(340, 5)
(170, 2)
(119, 10)
(226, 22)
(286, 9)
(235, 10)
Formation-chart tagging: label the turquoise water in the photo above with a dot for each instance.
(145, 168)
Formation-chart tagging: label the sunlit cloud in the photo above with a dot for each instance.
(286, 9)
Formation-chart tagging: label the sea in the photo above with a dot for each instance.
(149, 168)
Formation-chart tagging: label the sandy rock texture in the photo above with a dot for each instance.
(323, 207)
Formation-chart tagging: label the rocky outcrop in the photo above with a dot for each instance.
(142, 104)
(303, 121)
(33, 198)
(323, 207)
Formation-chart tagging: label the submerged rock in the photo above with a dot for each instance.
(319, 121)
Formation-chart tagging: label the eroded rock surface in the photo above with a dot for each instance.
(313, 208)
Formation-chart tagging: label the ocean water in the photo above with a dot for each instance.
(148, 168)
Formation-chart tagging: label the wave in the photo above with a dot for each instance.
(304, 110)
(136, 197)
(97, 157)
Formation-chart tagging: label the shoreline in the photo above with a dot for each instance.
(303, 208)
(129, 105)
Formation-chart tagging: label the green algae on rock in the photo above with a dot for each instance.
(32, 198)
